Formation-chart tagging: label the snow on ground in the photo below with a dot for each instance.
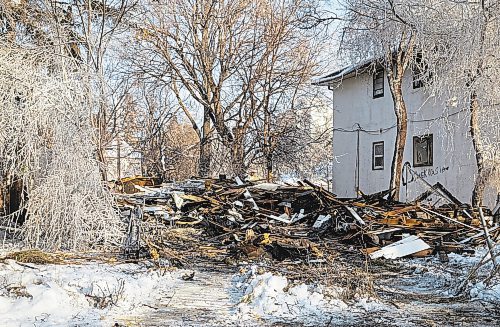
(99, 294)
(60, 295)
(273, 297)
(445, 278)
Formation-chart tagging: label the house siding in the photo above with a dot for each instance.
(355, 108)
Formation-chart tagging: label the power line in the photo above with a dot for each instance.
(386, 129)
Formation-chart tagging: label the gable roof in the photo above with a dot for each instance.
(344, 73)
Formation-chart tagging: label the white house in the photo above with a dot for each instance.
(438, 147)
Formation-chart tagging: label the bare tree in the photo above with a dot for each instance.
(197, 41)
(378, 30)
(233, 59)
(95, 27)
(85, 31)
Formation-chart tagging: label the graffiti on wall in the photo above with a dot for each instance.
(425, 173)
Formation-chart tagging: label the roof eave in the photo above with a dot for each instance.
(343, 74)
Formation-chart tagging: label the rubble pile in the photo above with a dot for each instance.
(229, 221)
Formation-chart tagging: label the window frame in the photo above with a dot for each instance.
(374, 144)
(417, 83)
(419, 71)
(374, 80)
(428, 137)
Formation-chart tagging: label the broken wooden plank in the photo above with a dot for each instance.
(467, 240)
(283, 218)
(448, 218)
(488, 239)
(397, 212)
(355, 215)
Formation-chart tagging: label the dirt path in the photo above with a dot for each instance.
(207, 300)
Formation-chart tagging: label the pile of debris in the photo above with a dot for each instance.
(229, 221)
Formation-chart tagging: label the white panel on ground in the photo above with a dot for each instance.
(409, 245)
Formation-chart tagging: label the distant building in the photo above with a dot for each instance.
(438, 148)
(122, 160)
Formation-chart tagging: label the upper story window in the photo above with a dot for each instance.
(422, 150)
(420, 72)
(417, 82)
(378, 156)
(378, 83)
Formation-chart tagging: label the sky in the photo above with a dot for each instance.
(329, 55)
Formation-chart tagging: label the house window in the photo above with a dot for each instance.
(420, 72)
(378, 83)
(417, 82)
(378, 156)
(422, 150)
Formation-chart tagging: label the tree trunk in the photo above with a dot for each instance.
(397, 66)
(205, 146)
(483, 172)
(238, 154)
(268, 155)
(400, 143)
(102, 162)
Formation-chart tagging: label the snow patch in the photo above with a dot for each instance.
(488, 293)
(431, 274)
(61, 295)
(273, 297)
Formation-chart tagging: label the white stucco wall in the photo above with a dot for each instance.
(453, 155)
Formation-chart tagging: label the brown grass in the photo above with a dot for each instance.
(33, 256)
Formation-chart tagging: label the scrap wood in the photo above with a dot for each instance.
(289, 213)
(480, 234)
(219, 225)
(327, 194)
(410, 222)
(375, 196)
(439, 189)
(283, 218)
(195, 222)
(355, 215)
(399, 211)
(196, 199)
(489, 243)
(361, 205)
(447, 218)
(321, 220)
(381, 235)
(145, 189)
